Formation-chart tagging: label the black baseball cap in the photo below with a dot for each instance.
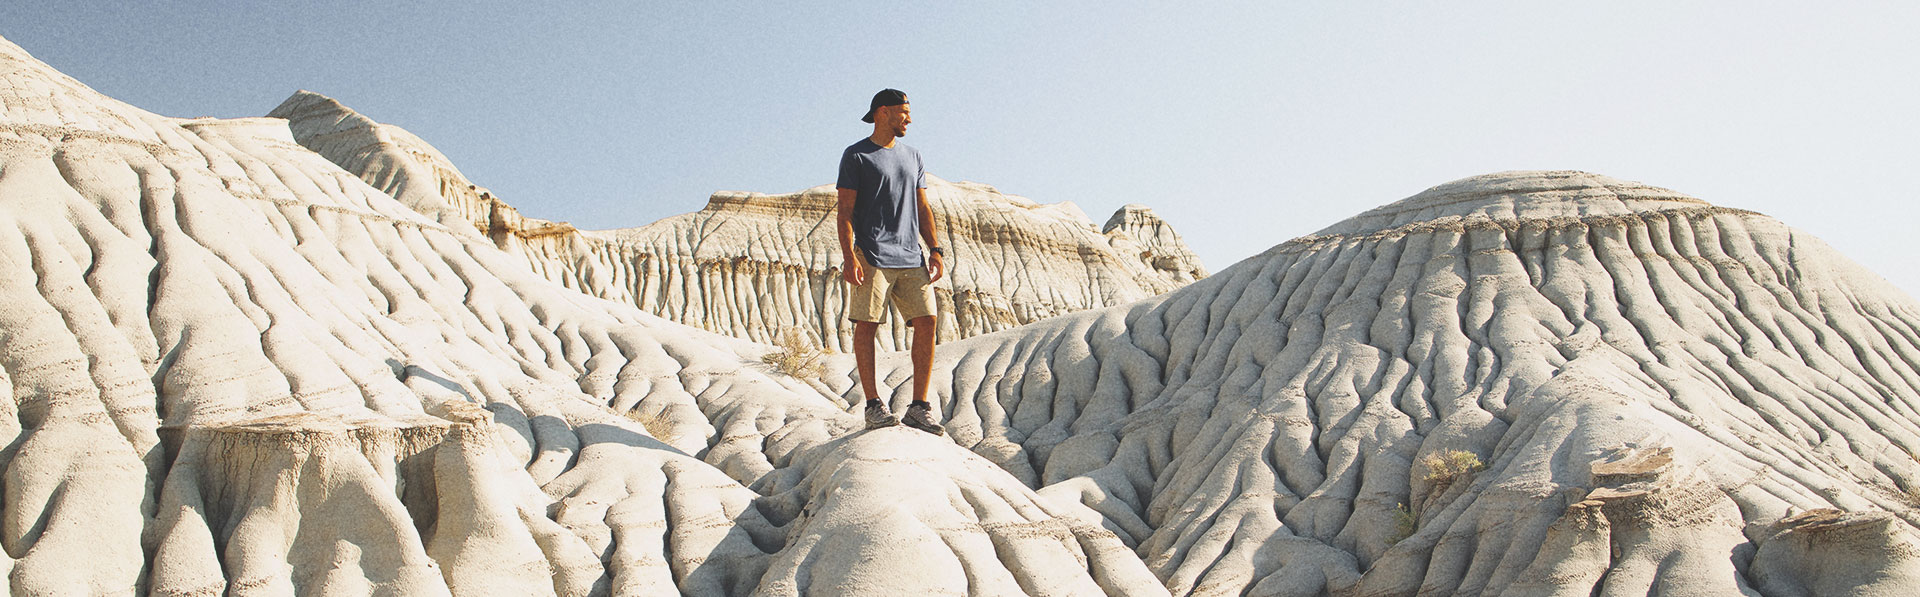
(886, 97)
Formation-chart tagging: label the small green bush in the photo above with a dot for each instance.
(1405, 522)
(1444, 467)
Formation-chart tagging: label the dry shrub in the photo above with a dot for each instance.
(1405, 522)
(797, 355)
(656, 424)
(1444, 467)
(1912, 494)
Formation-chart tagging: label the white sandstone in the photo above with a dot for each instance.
(1660, 389)
(237, 369)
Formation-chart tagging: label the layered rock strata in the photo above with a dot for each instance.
(751, 265)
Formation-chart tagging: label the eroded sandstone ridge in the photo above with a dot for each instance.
(751, 264)
(231, 367)
(1670, 397)
(236, 368)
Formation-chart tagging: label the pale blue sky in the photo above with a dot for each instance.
(1244, 124)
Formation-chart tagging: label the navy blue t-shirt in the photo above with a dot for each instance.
(886, 207)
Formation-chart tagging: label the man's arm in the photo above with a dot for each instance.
(850, 269)
(936, 263)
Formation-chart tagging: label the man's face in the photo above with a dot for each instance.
(898, 117)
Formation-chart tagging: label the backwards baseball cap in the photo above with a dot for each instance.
(886, 97)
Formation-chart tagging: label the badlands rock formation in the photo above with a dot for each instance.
(234, 368)
(751, 265)
(1670, 398)
(237, 368)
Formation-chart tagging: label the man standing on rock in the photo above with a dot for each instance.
(883, 218)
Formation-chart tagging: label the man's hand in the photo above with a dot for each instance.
(936, 266)
(852, 272)
(850, 267)
(930, 234)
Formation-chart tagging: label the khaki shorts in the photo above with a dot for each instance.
(910, 288)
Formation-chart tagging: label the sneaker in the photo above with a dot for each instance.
(920, 416)
(878, 417)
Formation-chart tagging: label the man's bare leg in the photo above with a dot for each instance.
(920, 413)
(876, 411)
(922, 355)
(863, 332)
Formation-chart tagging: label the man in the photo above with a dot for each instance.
(883, 218)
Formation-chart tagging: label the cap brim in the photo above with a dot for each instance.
(869, 117)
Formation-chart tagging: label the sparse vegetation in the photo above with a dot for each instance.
(1444, 467)
(656, 424)
(1405, 522)
(1912, 494)
(797, 354)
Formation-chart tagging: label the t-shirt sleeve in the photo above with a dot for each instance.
(919, 178)
(849, 171)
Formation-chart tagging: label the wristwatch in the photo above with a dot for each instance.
(941, 250)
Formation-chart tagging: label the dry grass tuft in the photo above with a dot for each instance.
(1444, 467)
(797, 355)
(656, 424)
(1912, 494)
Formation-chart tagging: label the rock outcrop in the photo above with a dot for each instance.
(1661, 391)
(751, 265)
(237, 368)
(232, 367)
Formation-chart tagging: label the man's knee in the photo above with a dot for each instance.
(924, 321)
